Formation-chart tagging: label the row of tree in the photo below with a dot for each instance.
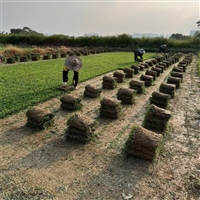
(27, 36)
(24, 30)
(27, 30)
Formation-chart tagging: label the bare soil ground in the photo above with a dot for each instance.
(44, 165)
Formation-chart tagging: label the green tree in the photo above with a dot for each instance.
(25, 30)
(178, 36)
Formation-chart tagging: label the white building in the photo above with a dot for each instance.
(147, 35)
(91, 34)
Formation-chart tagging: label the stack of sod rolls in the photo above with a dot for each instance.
(109, 82)
(70, 102)
(39, 118)
(91, 91)
(110, 108)
(80, 128)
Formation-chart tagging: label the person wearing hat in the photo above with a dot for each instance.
(138, 52)
(163, 48)
(73, 63)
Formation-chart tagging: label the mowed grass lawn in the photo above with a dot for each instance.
(25, 84)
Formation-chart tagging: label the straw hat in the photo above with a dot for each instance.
(141, 51)
(73, 63)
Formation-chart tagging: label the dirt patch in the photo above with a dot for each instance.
(43, 165)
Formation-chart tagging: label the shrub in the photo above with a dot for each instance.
(28, 55)
(24, 58)
(47, 57)
(78, 54)
(17, 57)
(71, 53)
(63, 55)
(55, 55)
(11, 60)
(35, 57)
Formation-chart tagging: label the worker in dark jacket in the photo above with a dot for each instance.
(72, 63)
(163, 49)
(138, 53)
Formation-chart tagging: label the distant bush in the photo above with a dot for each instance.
(63, 55)
(47, 57)
(11, 60)
(24, 58)
(120, 41)
(71, 53)
(35, 57)
(17, 57)
(55, 55)
(77, 53)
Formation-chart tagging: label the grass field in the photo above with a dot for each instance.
(26, 84)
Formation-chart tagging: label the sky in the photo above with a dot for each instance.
(104, 17)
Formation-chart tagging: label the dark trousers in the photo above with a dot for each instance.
(136, 54)
(161, 50)
(75, 77)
